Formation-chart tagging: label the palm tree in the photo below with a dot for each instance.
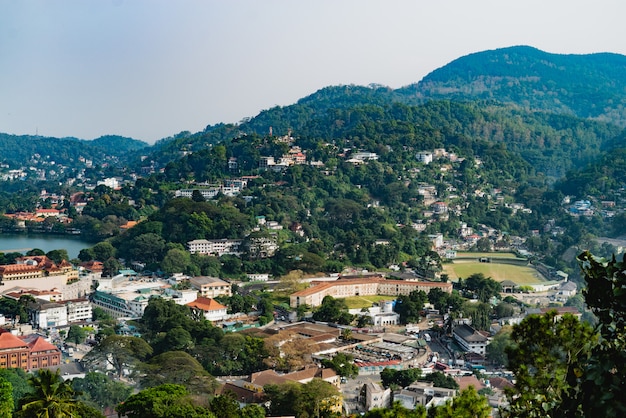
(52, 397)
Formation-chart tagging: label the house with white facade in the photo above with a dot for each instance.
(211, 309)
(424, 157)
(470, 340)
(78, 310)
(45, 314)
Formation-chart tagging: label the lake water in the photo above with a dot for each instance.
(23, 243)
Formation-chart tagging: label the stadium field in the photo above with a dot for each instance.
(522, 275)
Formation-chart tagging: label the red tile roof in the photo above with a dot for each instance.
(40, 344)
(9, 341)
(206, 304)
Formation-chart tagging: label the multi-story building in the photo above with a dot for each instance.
(210, 286)
(78, 310)
(343, 288)
(27, 353)
(217, 247)
(45, 314)
(470, 340)
(38, 272)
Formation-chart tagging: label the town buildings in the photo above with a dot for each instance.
(343, 288)
(27, 353)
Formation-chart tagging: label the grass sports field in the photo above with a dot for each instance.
(522, 275)
(356, 302)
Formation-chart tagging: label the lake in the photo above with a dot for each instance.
(21, 243)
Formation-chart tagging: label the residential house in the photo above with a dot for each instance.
(211, 309)
(376, 396)
(210, 286)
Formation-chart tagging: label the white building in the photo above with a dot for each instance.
(425, 157)
(470, 340)
(212, 309)
(376, 396)
(78, 310)
(362, 156)
(44, 314)
(217, 247)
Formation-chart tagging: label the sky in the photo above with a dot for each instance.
(150, 69)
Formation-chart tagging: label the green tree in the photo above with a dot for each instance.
(101, 391)
(35, 252)
(76, 334)
(400, 378)
(409, 307)
(546, 356)
(19, 381)
(316, 398)
(103, 251)
(225, 406)
(6, 398)
(333, 310)
(165, 401)
(111, 266)
(252, 411)
(52, 397)
(176, 261)
(603, 378)
(119, 352)
(180, 368)
(58, 255)
(496, 350)
(468, 404)
(397, 411)
(441, 380)
(343, 364)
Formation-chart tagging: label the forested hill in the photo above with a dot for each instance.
(557, 111)
(19, 150)
(587, 86)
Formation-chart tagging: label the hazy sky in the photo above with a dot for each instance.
(149, 69)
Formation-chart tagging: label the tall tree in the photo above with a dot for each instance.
(468, 404)
(177, 367)
(165, 401)
(546, 356)
(76, 334)
(101, 391)
(118, 351)
(52, 397)
(604, 379)
(6, 398)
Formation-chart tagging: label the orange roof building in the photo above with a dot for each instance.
(28, 353)
(343, 288)
(212, 309)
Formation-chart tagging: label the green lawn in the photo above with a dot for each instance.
(522, 275)
(356, 302)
